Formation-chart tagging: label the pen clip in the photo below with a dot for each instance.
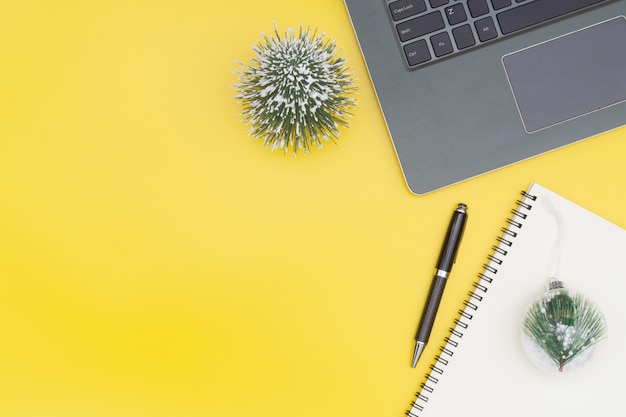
(453, 238)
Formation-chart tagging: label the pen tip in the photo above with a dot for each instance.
(462, 208)
(417, 352)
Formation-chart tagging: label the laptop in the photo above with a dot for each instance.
(469, 86)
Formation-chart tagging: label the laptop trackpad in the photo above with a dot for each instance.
(569, 76)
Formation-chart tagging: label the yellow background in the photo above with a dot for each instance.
(156, 261)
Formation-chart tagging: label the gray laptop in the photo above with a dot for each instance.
(469, 86)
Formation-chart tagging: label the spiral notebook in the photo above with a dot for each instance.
(482, 370)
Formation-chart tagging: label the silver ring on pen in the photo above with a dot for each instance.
(441, 273)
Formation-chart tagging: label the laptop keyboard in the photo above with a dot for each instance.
(430, 30)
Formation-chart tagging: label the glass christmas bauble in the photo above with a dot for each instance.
(561, 329)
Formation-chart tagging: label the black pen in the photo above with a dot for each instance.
(444, 266)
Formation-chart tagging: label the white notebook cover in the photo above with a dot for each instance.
(488, 373)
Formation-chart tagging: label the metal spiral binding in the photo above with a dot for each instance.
(490, 269)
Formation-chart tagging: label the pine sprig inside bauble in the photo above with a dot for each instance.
(296, 92)
(564, 324)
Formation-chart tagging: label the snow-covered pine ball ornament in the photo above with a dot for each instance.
(296, 92)
(561, 329)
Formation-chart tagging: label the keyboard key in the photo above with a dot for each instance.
(500, 4)
(438, 3)
(402, 9)
(417, 52)
(426, 35)
(539, 11)
(463, 37)
(441, 44)
(477, 7)
(486, 29)
(455, 14)
(420, 26)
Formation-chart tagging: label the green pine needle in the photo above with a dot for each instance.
(564, 325)
(295, 93)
